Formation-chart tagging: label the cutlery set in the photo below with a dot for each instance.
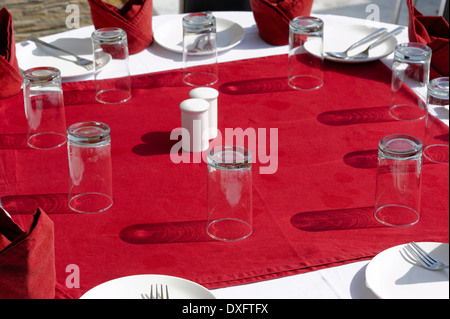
(88, 64)
(364, 54)
(344, 54)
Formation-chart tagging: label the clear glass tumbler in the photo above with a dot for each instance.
(410, 71)
(200, 49)
(89, 152)
(305, 70)
(229, 193)
(44, 107)
(111, 70)
(436, 147)
(398, 188)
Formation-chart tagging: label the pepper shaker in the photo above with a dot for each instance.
(210, 95)
(195, 125)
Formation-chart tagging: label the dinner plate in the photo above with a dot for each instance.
(340, 37)
(170, 35)
(135, 287)
(40, 55)
(393, 275)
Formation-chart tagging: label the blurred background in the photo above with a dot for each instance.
(44, 17)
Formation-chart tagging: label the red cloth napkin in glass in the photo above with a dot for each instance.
(135, 18)
(273, 16)
(10, 78)
(27, 258)
(434, 32)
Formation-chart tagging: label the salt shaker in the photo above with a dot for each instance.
(195, 125)
(210, 95)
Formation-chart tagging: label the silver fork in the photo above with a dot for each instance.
(203, 43)
(88, 64)
(424, 258)
(157, 295)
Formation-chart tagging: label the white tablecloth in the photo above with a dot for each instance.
(347, 281)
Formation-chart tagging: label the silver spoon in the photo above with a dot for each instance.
(365, 54)
(344, 54)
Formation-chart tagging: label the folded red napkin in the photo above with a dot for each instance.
(27, 258)
(10, 78)
(273, 16)
(434, 32)
(135, 18)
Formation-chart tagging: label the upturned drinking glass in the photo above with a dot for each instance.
(111, 70)
(229, 193)
(399, 175)
(436, 146)
(200, 49)
(305, 69)
(89, 153)
(410, 76)
(44, 108)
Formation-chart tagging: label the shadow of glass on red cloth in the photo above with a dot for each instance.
(254, 86)
(166, 233)
(442, 137)
(27, 204)
(356, 116)
(362, 159)
(280, 84)
(72, 90)
(338, 219)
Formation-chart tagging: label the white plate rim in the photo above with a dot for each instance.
(149, 279)
(404, 266)
(160, 33)
(335, 33)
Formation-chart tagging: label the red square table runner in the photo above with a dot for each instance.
(314, 210)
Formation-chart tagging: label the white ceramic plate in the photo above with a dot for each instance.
(340, 37)
(134, 287)
(393, 275)
(170, 35)
(39, 55)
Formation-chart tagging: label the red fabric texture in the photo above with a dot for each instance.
(10, 78)
(315, 211)
(434, 32)
(27, 258)
(135, 18)
(273, 16)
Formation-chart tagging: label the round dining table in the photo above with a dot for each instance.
(346, 280)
